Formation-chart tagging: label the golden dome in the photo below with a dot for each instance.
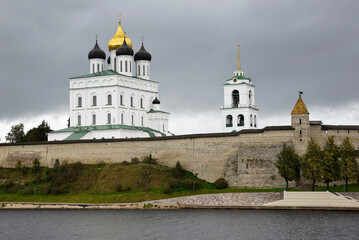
(117, 40)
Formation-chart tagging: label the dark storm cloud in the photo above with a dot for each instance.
(286, 46)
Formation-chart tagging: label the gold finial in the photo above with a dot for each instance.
(142, 40)
(119, 18)
(239, 61)
(96, 37)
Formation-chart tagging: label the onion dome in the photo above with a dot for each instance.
(124, 49)
(97, 52)
(109, 60)
(156, 101)
(142, 54)
(117, 40)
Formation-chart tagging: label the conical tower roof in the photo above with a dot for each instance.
(300, 107)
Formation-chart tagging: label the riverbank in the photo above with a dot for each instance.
(264, 201)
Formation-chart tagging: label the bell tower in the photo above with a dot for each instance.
(239, 110)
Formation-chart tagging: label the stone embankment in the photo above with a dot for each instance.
(224, 199)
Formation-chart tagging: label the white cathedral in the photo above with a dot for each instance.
(121, 102)
(239, 110)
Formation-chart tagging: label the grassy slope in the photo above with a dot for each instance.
(121, 183)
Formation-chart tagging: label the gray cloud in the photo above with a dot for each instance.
(286, 46)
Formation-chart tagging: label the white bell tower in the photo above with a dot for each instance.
(239, 110)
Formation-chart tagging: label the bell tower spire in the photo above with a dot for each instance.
(239, 60)
(238, 71)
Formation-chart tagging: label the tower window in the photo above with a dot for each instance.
(121, 118)
(109, 99)
(139, 70)
(148, 70)
(235, 98)
(141, 102)
(120, 66)
(130, 66)
(251, 120)
(132, 120)
(300, 121)
(109, 118)
(300, 132)
(79, 102)
(79, 120)
(93, 119)
(93, 68)
(229, 121)
(255, 120)
(144, 70)
(115, 69)
(126, 66)
(98, 67)
(121, 100)
(142, 121)
(131, 100)
(240, 121)
(102, 67)
(250, 97)
(163, 128)
(94, 101)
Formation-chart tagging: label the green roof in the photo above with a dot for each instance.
(80, 131)
(238, 77)
(106, 73)
(157, 111)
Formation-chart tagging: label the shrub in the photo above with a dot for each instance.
(220, 183)
(173, 183)
(57, 164)
(27, 190)
(18, 166)
(119, 188)
(167, 190)
(190, 184)
(35, 166)
(45, 176)
(149, 159)
(135, 160)
(60, 189)
(178, 170)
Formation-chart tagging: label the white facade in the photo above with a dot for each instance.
(239, 110)
(114, 103)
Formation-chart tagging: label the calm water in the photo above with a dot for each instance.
(182, 224)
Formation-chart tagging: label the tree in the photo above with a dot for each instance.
(16, 134)
(348, 163)
(38, 134)
(288, 164)
(330, 169)
(312, 161)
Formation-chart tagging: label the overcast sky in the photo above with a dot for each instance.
(286, 46)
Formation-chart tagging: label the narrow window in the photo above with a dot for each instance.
(130, 66)
(125, 66)
(93, 68)
(132, 120)
(121, 100)
(251, 120)
(115, 69)
(121, 118)
(102, 67)
(148, 71)
(255, 120)
(163, 128)
(144, 71)
(120, 66)
(79, 120)
(94, 101)
(79, 102)
(98, 67)
(235, 99)
(93, 119)
(246, 165)
(229, 121)
(131, 100)
(109, 118)
(300, 121)
(250, 97)
(142, 121)
(139, 70)
(109, 99)
(300, 132)
(141, 101)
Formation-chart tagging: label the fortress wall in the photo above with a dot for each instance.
(208, 155)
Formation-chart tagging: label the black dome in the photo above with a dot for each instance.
(142, 54)
(124, 49)
(97, 52)
(156, 101)
(109, 60)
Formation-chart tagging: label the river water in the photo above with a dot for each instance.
(178, 224)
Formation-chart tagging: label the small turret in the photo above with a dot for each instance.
(143, 60)
(97, 58)
(124, 58)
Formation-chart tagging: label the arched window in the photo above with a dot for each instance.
(98, 67)
(130, 66)
(255, 120)
(121, 100)
(79, 102)
(109, 99)
(131, 101)
(102, 68)
(132, 120)
(94, 101)
(250, 97)
(79, 120)
(93, 119)
(148, 70)
(126, 66)
(144, 70)
(229, 121)
(163, 128)
(141, 102)
(235, 98)
(120, 66)
(109, 118)
(251, 120)
(240, 120)
(115, 69)
(122, 118)
(139, 70)
(142, 121)
(93, 68)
